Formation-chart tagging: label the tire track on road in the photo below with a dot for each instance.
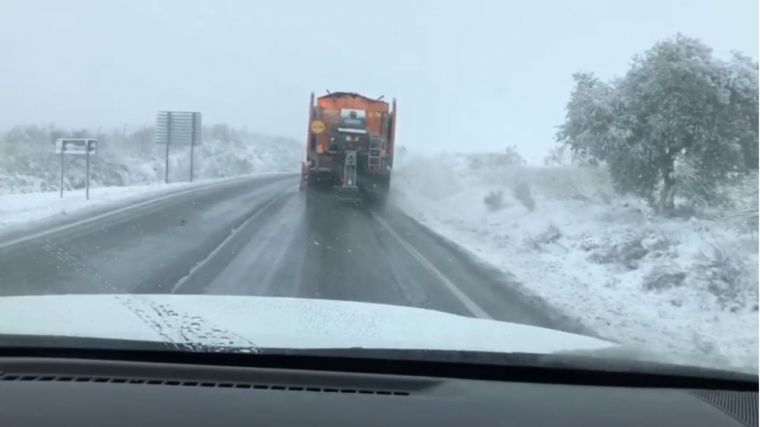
(207, 263)
(471, 305)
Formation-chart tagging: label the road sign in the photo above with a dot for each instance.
(76, 146)
(178, 127)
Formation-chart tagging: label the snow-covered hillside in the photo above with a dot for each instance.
(28, 164)
(684, 288)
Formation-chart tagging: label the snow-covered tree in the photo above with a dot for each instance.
(558, 156)
(597, 127)
(512, 157)
(676, 105)
(743, 85)
(592, 115)
(562, 155)
(223, 132)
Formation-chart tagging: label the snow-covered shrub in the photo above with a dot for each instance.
(494, 200)
(694, 188)
(725, 275)
(663, 277)
(569, 182)
(512, 157)
(660, 246)
(475, 163)
(550, 235)
(657, 242)
(583, 183)
(742, 202)
(631, 252)
(521, 192)
(627, 253)
(561, 155)
(558, 156)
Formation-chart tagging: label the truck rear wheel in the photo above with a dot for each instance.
(380, 200)
(379, 197)
(320, 181)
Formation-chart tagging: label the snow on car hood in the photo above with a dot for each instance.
(271, 322)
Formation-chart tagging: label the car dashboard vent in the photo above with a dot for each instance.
(740, 405)
(196, 383)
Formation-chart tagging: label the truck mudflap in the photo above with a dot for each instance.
(304, 176)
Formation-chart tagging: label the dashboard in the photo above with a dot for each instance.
(69, 391)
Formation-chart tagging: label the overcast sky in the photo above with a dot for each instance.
(468, 75)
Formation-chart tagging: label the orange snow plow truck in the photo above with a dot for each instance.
(350, 146)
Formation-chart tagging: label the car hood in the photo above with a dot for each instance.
(270, 322)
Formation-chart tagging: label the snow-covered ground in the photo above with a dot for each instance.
(28, 163)
(682, 288)
(126, 168)
(22, 208)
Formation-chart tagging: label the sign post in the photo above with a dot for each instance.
(192, 149)
(168, 139)
(178, 127)
(62, 174)
(77, 146)
(87, 179)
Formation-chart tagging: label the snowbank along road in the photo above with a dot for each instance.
(261, 236)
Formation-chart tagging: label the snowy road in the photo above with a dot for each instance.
(261, 236)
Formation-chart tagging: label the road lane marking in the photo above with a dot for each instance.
(200, 264)
(108, 214)
(471, 305)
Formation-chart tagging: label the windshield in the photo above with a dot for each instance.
(513, 177)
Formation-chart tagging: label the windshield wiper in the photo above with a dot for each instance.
(517, 367)
(649, 373)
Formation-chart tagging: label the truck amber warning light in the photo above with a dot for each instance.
(317, 126)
